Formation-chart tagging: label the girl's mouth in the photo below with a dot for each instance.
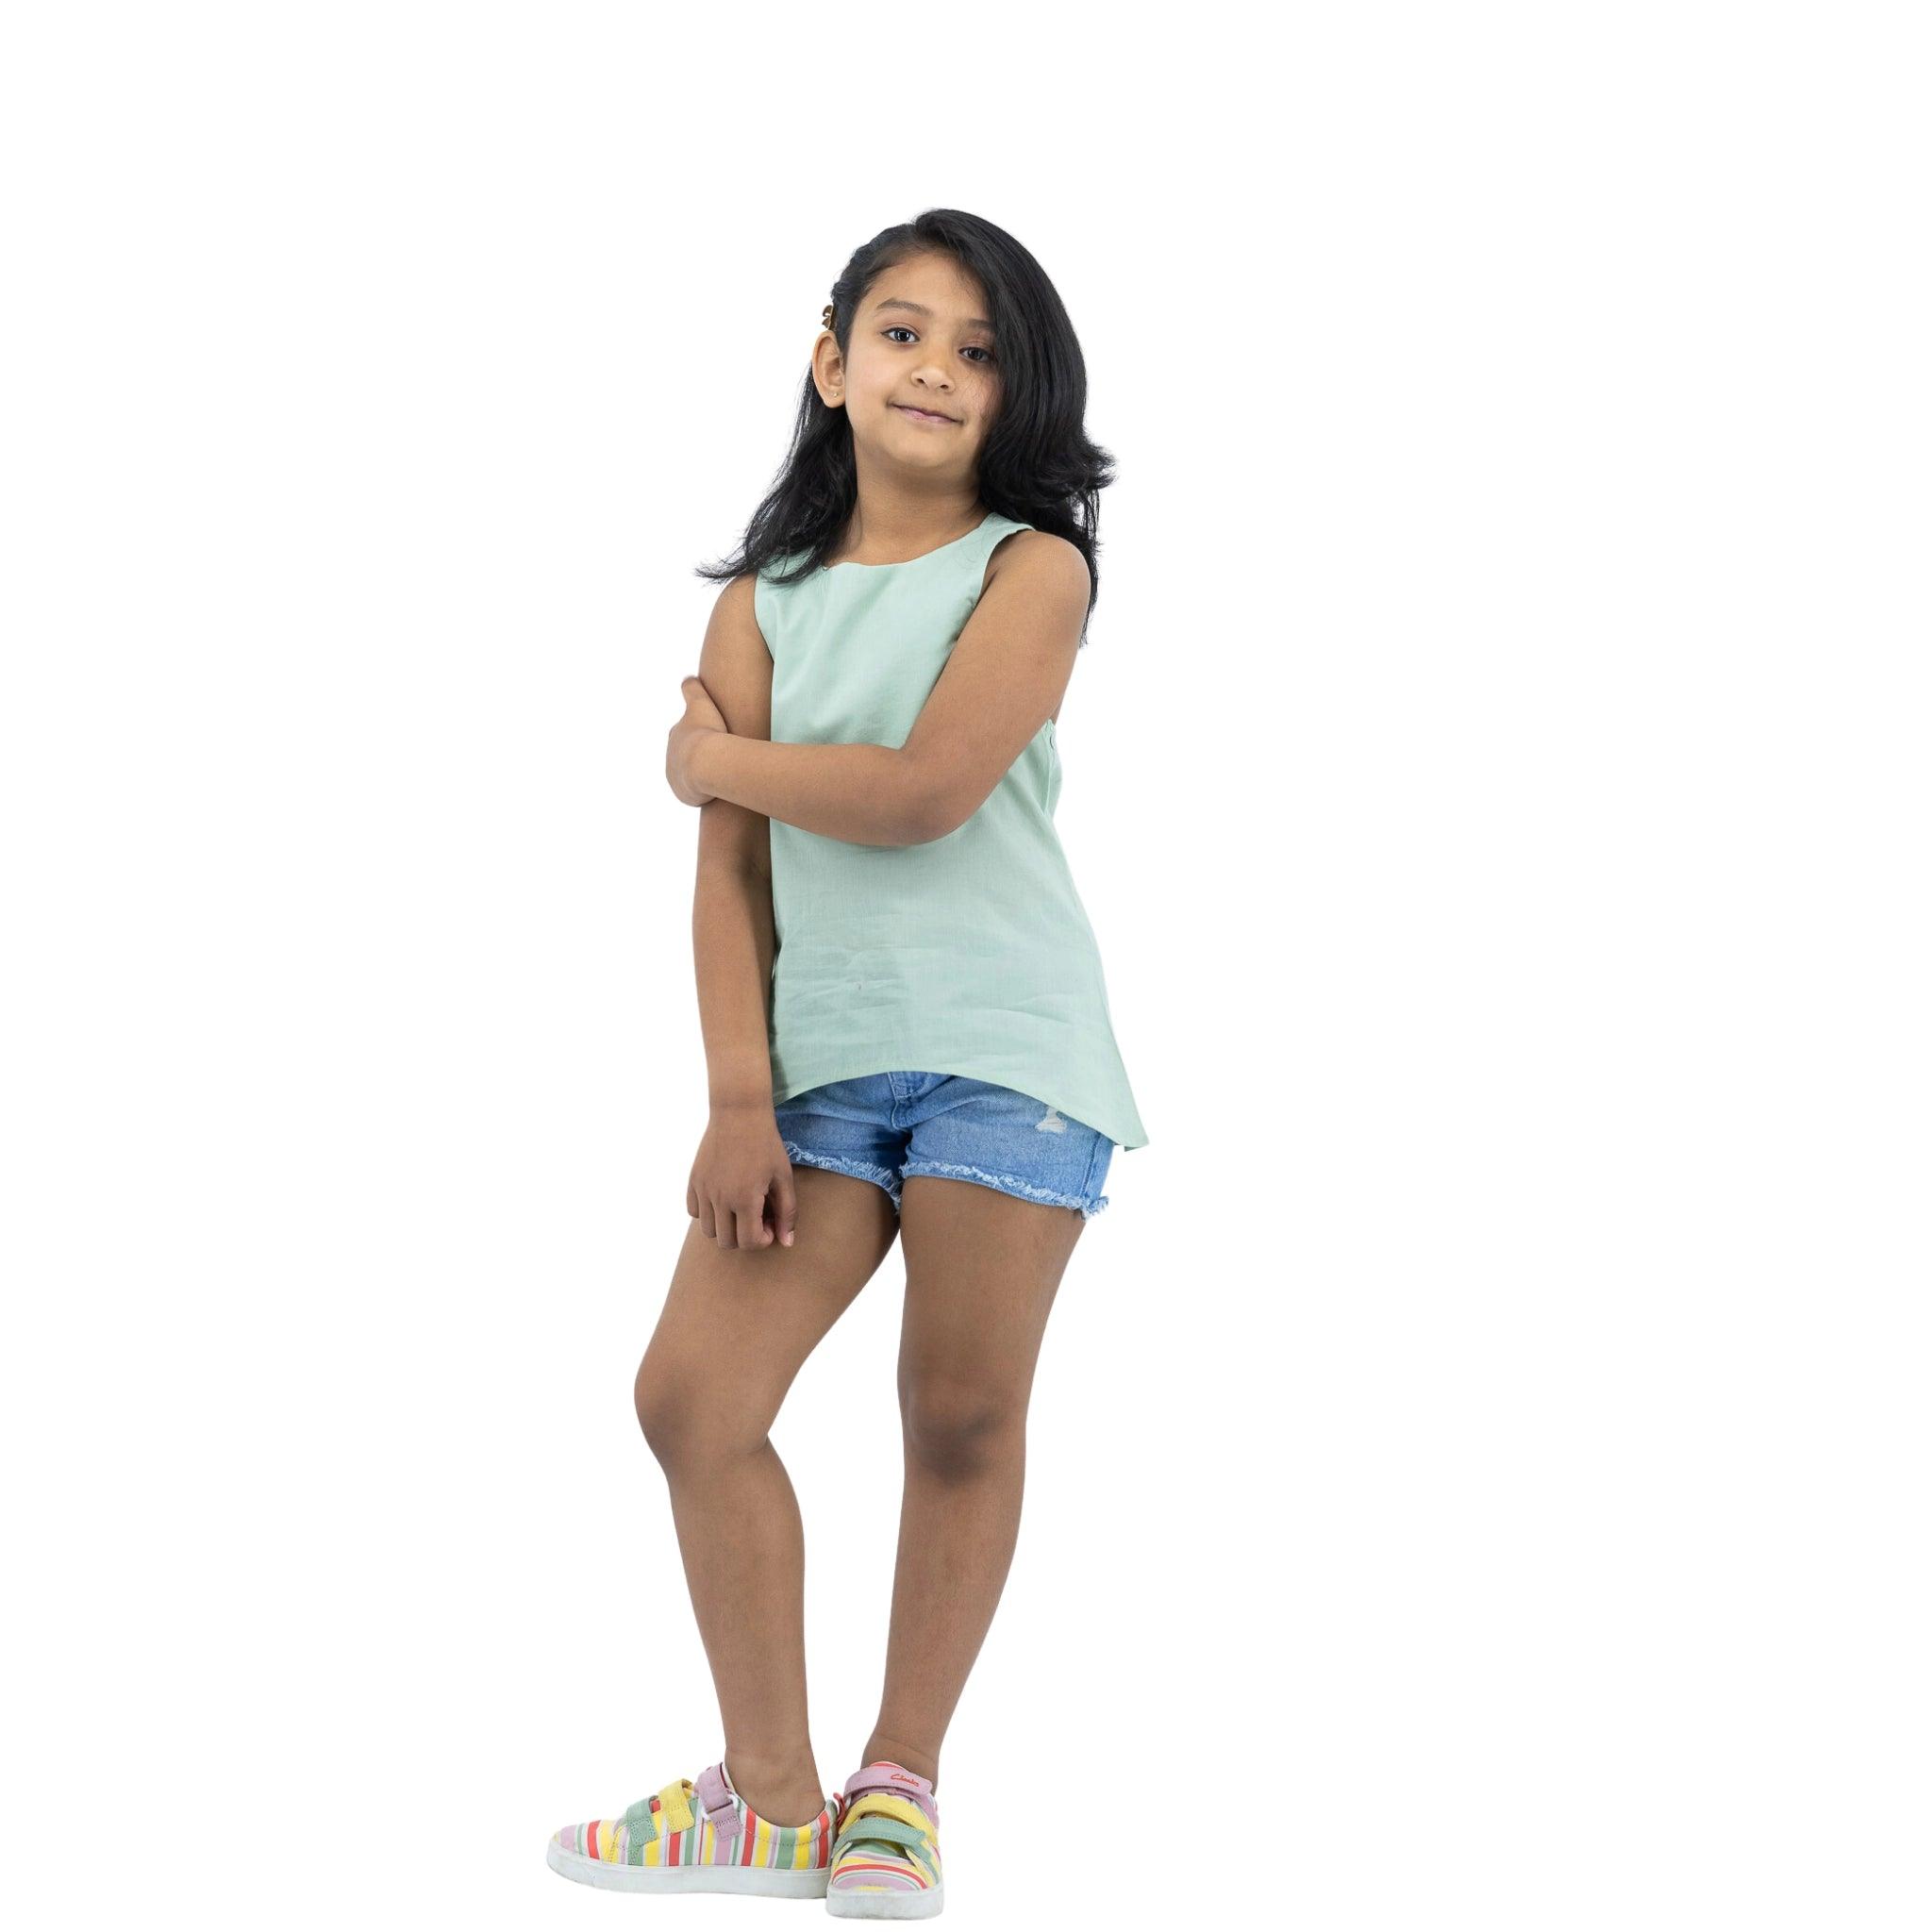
(920, 415)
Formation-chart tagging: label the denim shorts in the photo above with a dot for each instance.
(885, 1127)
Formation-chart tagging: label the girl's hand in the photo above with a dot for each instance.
(700, 716)
(740, 1191)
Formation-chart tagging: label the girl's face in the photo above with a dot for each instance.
(919, 380)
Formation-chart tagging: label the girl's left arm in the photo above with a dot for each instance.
(866, 794)
(1006, 677)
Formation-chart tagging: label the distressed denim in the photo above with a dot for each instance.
(887, 1128)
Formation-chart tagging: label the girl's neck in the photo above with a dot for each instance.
(897, 533)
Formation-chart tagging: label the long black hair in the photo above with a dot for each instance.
(1038, 465)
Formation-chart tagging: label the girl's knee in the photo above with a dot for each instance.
(687, 1421)
(955, 1427)
(665, 1411)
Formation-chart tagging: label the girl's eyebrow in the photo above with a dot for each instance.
(919, 309)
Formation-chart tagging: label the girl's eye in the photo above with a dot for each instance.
(900, 327)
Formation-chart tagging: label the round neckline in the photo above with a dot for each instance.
(853, 563)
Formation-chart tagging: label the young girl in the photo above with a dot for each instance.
(871, 747)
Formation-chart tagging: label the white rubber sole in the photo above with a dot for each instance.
(928, 1903)
(758, 1880)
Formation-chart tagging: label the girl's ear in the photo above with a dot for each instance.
(828, 368)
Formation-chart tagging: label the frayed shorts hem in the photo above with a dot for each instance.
(893, 1184)
(837, 1163)
(1005, 1184)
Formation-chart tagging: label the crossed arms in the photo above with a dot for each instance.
(1005, 675)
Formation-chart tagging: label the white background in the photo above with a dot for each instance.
(1478, 1464)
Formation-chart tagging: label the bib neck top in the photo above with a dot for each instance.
(968, 955)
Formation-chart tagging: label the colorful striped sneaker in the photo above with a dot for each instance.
(699, 1836)
(886, 1855)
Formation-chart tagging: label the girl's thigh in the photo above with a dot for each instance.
(738, 1322)
(982, 1268)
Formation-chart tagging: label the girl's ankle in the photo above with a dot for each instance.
(779, 1793)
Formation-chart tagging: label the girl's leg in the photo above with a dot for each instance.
(981, 1270)
(736, 1326)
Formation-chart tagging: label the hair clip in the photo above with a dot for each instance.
(828, 315)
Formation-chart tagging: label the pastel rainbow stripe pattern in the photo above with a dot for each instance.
(886, 1846)
(665, 1831)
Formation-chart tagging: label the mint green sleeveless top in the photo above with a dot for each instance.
(967, 955)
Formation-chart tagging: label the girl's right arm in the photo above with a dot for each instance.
(741, 1173)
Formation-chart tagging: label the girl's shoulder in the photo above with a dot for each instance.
(769, 598)
(1036, 549)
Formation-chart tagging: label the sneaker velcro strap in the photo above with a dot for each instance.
(891, 1831)
(670, 1810)
(674, 1800)
(883, 1806)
